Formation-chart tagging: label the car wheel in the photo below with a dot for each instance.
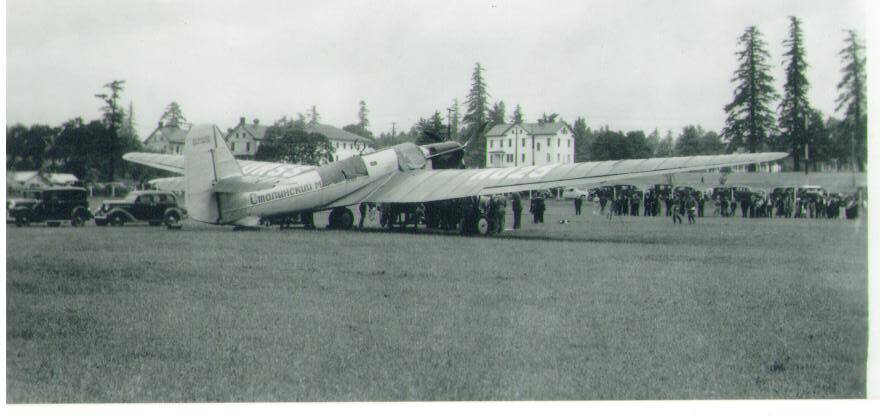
(483, 226)
(22, 221)
(78, 219)
(117, 220)
(172, 220)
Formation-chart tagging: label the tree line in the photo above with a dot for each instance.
(751, 124)
(92, 150)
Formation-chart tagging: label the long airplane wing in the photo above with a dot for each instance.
(436, 185)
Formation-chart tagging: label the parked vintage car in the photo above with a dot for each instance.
(152, 207)
(50, 205)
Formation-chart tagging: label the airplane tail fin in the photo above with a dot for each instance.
(207, 161)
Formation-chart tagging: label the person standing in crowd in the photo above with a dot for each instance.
(578, 203)
(634, 202)
(516, 204)
(362, 209)
(691, 206)
(537, 208)
(676, 208)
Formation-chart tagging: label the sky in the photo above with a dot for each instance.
(631, 65)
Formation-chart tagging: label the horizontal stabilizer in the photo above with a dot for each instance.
(175, 184)
(170, 163)
(243, 184)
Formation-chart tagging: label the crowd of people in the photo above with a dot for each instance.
(812, 202)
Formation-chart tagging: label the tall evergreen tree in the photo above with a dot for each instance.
(455, 122)
(497, 113)
(794, 110)
(852, 99)
(750, 121)
(475, 118)
(314, 116)
(517, 117)
(363, 121)
(113, 115)
(173, 116)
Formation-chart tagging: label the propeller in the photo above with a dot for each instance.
(458, 147)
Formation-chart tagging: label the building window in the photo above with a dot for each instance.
(509, 142)
(569, 143)
(558, 142)
(524, 142)
(247, 147)
(548, 157)
(558, 158)
(548, 142)
(232, 146)
(500, 142)
(491, 143)
(539, 146)
(523, 157)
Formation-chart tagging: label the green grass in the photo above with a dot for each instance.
(635, 308)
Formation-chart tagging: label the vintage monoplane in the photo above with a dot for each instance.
(225, 191)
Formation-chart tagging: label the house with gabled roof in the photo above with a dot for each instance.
(166, 139)
(529, 144)
(244, 139)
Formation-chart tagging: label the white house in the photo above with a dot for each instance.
(527, 144)
(244, 139)
(166, 139)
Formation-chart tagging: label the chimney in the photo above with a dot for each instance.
(256, 121)
(241, 121)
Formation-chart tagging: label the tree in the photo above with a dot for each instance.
(286, 142)
(110, 146)
(173, 116)
(455, 121)
(665, 147)
(749, 118)
(794, 110)
(496, 114)
(129, 129)
(314, 117)
(614, 145)
(583, 138)
(517, 117)
(475, 119)
(431, 130)
(28, 148)
(852, 99)
(548, 118)
(689, 142)
(363, 121)
(712, 144)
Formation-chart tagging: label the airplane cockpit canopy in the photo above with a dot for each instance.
(410, 156)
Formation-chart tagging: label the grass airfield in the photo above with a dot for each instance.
(632, 308)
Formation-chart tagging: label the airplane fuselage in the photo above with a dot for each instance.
(304, 189)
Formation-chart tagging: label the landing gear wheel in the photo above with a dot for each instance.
(483, 226)
(341, 219)
(117, 220)
(172, 220)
